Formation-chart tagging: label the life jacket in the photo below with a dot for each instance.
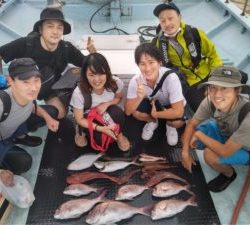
(193, 42)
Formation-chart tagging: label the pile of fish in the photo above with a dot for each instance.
(103, 211)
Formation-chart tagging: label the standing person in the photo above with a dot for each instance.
(25, 82)
(105, 92)
(223, 138)
(50, 52)
(185, 48)
(167, 104)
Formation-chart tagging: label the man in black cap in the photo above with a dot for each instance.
(50, 52)
(25, 82)
(185, 48)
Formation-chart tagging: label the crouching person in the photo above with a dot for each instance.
(24, 84)
(216, 128)
(99, 90)
(155, 94)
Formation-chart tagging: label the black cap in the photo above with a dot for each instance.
(164, 6)
(23, 69)
(52, 14)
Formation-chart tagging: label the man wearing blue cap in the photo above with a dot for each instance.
(225, 137)
(185, 48)
(25, 82)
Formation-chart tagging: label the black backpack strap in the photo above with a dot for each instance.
(163, 46)
(87, 98)
(193, 42)
(243, 112)
(87, 101)
(159, 84)
(5, 98)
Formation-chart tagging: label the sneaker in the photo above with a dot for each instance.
(27, 140)
(148, 130)
(221, 182)
(172, 135)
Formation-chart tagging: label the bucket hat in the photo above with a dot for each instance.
(225, 76)
(52, 14)
(164, 6)
(23, 69)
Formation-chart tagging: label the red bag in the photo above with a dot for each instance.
(93, 115)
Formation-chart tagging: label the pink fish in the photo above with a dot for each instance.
(170, 207)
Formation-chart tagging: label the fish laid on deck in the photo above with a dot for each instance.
(158, 177)
(83, 177)
(83, 162)
(112, 212)
(111, 166)
(167, 189)
(80, 189)
(75, 208)
(150, 158)
(130, 191)
(170, 207)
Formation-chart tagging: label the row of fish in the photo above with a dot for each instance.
(130, 191)
(111, 212)
(87, 160)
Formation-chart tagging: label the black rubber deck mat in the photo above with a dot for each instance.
(51, 181)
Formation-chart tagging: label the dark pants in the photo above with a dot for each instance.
(13, 157)
(194, 96)
(34, 121)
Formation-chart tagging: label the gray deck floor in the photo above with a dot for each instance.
(224, 201)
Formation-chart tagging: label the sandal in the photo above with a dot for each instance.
(123, 143)
(80, 140)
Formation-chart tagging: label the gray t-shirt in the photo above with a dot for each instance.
(77, 99)
(228, 122)
(170, 92)
(18, 115)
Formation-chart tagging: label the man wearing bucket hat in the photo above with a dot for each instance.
(25, 82)
(185, 48)
(50, 52)
(216, 128)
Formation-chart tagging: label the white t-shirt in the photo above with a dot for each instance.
(77, 99)
(170, 92)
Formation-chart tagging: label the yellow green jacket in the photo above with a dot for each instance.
(210, 58)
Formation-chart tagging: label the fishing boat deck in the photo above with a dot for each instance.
(223, 23)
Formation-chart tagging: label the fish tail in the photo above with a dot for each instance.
(192, 201)
(146, 210)
(102, 196)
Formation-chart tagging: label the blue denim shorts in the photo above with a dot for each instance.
(211, 129)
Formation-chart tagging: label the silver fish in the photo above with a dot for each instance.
(75, 208)
(166, 189)
(130, 191)
(84, 161)
(112, 166)
(170, 207)
(80, 189)
(112, 212)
